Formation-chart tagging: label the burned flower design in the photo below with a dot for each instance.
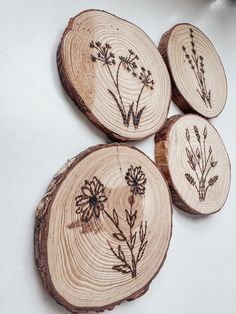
(136, 179)
(196, 62)
(90, 203)
(91, 200)
(201, 161)
(104, 55)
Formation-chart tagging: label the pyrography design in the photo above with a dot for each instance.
(90, 203)
(201, 161)
(196, 62)
(128, 63)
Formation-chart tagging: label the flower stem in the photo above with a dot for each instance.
(133, 269)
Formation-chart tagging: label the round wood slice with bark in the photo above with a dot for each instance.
(103, 228)
(193, 158)
(115, 75)
(198, 78)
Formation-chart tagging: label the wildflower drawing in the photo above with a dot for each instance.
(196, 63)
(90, 204)
(201, 161)
(108, 59)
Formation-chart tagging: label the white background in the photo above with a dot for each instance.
(40, 129)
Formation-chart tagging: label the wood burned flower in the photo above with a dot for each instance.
(91, 200)
(136, 179)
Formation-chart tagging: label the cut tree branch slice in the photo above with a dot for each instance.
(103, 228)
(193, 158)
(115, 75)
(198, 78)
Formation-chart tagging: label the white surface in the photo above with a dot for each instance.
(40, 129)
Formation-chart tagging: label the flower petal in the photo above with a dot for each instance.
(96, 210)
(85, 207)
(87, 215)
(102, 198)
(86, 190)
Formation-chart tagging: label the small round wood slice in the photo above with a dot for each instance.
(103, 228)
(198, 78)
(115, 75)
(192, 156)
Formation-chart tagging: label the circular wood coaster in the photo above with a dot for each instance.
(198, 78)
(115, 75)
(103, 228)
(192, 156)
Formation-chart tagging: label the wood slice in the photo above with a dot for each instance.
(198, 78)
(192, 156)
(103, 228)
(115, 75)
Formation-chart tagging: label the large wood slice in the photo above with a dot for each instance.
(115, 75)
(198, 77)
(193, 159)
(103, 228)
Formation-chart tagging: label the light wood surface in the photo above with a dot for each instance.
(103, 228)
(194, 160)
(198, 78)
(115, 75)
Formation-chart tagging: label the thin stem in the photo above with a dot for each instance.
(196, 188)
(197, 77)
(133, 270)
(119, 106)
(139, 96)
(131, 236)
(208, 158)
(201, 155)
(117, 85)
(207, 188)
(207, 173)
(204, 148)
(107, 65)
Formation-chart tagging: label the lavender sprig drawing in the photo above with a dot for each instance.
(196, 63)
(128, 63)
(201, 161)
(90, 204)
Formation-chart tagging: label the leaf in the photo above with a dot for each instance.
(130, 112)
(198, 153)
(213, 180)
(128, 218)
(139, 114)
(190, 179)
(115, 217)
(189, 155)
(192, 164)
(142, 250)
(187, 135)
(196, 133)
(214, 163)
(210, 150)
(133, 240)
(119, 236)
(121, 254)
(141, 232)
(123, 268)
(145, 230)
(133, 218)
(205, 132)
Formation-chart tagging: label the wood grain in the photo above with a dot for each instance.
(197, 75)
(103, 228)
(115, 75)
(193, 159)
